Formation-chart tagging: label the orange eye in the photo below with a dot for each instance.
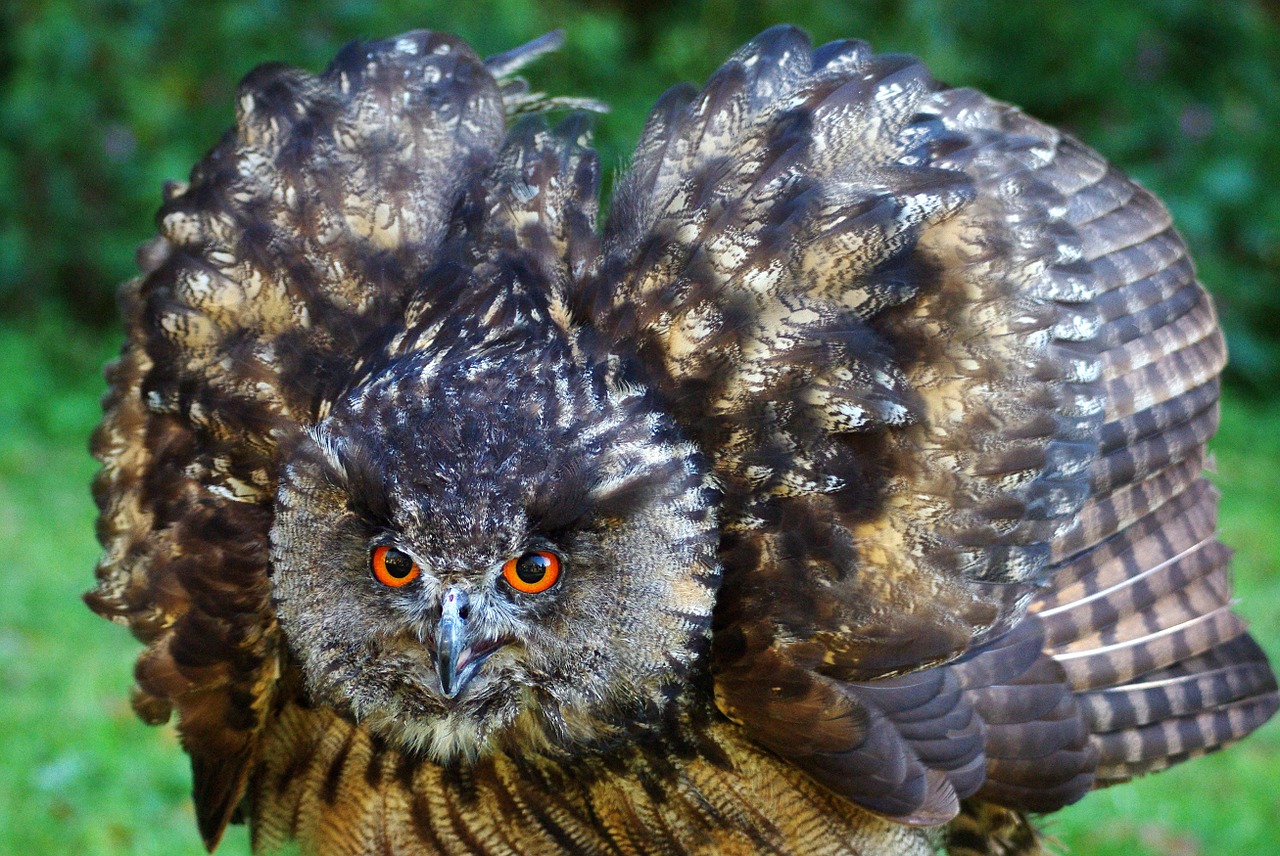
(392, 567)
(532, 572)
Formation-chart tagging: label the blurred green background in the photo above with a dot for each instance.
(101, 102)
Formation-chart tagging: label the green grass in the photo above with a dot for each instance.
(79, 774)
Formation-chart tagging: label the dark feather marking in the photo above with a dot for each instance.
(335, 771)
(423, 821)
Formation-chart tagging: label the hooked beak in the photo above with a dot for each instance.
(457, 656)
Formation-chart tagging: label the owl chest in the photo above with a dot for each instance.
(323, 782)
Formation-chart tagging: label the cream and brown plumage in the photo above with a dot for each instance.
(843, 493)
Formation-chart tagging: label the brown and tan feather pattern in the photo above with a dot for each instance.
(868, 435)
(297, 235)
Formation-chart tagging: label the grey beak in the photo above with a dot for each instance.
(451, 641)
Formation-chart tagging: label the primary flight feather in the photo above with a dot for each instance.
(841, 493)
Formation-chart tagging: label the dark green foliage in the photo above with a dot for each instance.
(101, 101)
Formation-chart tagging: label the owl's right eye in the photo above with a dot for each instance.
(393, 567)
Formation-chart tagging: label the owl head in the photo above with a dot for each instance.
(509, 549)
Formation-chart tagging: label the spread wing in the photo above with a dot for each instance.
(945, 362)
(295, 239)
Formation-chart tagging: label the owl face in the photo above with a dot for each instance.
(477, 556)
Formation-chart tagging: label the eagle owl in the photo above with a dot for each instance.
(841, 493)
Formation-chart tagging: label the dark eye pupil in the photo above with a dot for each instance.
(398, 564)
(532, 567)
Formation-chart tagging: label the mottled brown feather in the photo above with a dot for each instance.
(283, 250)
(951, 373)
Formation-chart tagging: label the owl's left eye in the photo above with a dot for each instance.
(532, 573)
(393, 567)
